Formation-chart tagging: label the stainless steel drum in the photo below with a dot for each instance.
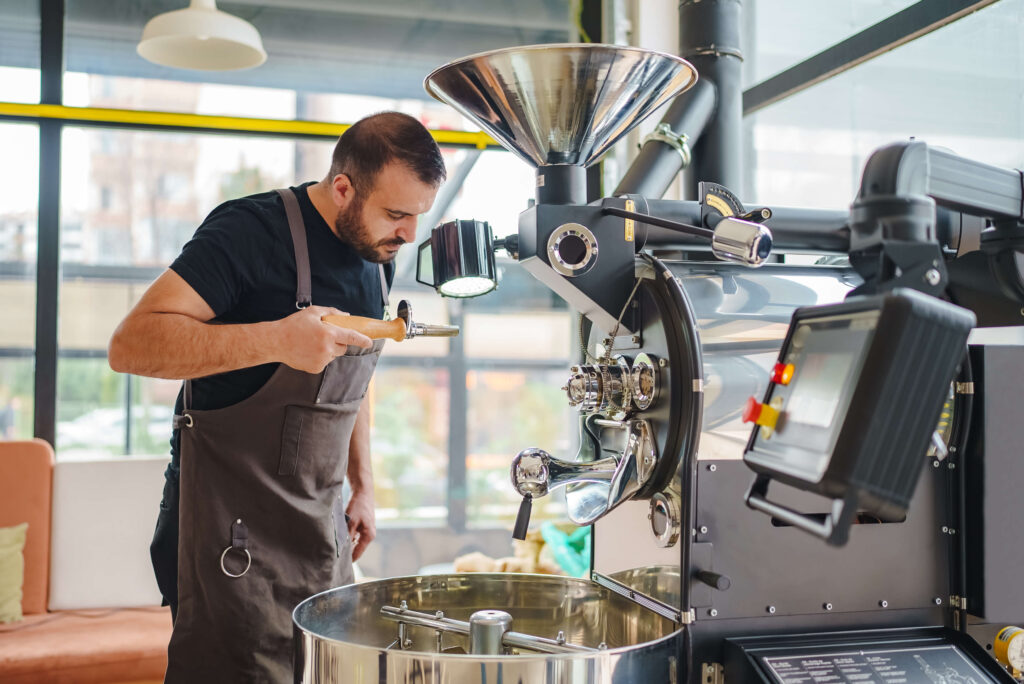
(341, 636)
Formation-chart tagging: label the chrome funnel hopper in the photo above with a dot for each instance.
(560, 104)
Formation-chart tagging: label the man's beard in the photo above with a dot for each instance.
(350, 229)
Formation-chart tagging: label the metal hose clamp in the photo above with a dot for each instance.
(678, 141)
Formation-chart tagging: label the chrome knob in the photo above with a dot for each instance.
(535, 472)
(530, 474)
(584, 388)
(598, 388)
(743, 241)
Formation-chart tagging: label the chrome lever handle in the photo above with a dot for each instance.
(535, 472)
(599, 486)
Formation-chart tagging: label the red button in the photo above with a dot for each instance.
(752, 411)
(761, 414)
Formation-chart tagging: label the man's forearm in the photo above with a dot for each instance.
(175, 346)
(360, 466)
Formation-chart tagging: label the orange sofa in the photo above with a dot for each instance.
(107, 646)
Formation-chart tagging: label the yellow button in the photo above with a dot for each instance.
(768, 416)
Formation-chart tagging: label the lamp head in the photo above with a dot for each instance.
(458, 259)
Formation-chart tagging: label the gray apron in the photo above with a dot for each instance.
(262, 524)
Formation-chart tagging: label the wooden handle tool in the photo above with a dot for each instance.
(395, 329)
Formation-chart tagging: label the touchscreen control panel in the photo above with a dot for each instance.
(852, 404)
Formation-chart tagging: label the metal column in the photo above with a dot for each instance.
(48, 261)
(709, 38)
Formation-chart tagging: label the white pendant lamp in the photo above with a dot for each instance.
(201, 37)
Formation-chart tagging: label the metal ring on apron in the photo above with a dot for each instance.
(239, 541)
(248, 563)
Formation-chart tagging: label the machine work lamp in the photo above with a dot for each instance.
(201, 37)
(458, 259)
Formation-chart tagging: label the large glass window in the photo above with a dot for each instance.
(19, 51)
(958, 88)
(497, 190)
(410, 442)
(381, 49)
(782, 33)
(18, 230)
(510, 410)
(130, 200)
(517, 343)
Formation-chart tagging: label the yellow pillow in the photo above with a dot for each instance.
(12, 571)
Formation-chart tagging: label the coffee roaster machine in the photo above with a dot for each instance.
(793, 473)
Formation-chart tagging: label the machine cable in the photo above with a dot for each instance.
(588, 429)
(609, 347)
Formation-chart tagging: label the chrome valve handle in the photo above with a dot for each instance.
(595, 487)
(535, 472)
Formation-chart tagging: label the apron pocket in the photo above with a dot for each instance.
(291, 437)
(317, 437)
(347, 377)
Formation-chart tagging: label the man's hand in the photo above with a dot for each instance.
(362, 525)
(308, 344)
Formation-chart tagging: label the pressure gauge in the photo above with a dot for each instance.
(1009, 647)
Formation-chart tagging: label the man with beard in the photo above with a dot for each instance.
(271, 416)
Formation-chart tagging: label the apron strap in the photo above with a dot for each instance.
(303, 289)
(303, 286)
(186, 400)
(383, 288)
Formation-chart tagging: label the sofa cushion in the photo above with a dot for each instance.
(104, 513)
(26, 474)
(86, 647)
(12, 571)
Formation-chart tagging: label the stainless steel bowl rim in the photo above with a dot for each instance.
(470, 656)
(427, 82)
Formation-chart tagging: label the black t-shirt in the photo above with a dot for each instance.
(241, 261)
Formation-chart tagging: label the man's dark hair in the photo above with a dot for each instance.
(373, 142)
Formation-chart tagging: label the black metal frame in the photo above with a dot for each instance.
(51, 49)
